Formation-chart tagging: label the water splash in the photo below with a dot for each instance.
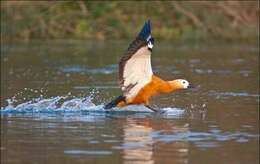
(53, 104)
(66, 104)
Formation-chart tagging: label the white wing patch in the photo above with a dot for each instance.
(137, 72)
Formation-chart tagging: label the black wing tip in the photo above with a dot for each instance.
(114, 102)
(146, 30)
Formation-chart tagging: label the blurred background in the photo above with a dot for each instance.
(103, 20)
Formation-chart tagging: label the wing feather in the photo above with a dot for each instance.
(135, 70)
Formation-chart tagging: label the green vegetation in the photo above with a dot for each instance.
(171, 20)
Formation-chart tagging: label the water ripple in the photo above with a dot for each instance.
(78, 69)
(204, 136)
(88, 152)
(223, 95)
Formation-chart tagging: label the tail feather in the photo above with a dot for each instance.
(114, 102)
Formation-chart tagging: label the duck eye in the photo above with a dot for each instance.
(183, 82)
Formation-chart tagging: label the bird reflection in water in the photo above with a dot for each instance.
(143, 145)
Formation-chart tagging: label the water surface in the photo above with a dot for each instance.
(52, 95)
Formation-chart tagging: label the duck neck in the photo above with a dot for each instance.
(167, 87)
(164, 86)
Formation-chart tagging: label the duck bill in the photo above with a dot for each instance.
(191, 86)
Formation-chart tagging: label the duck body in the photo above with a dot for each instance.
(136, 78)
(153, 88)
(156, 87)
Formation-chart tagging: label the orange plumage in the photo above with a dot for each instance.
(155, 87)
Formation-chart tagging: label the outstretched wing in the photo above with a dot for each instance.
(135, 70)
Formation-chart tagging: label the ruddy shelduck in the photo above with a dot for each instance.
(136, 78)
